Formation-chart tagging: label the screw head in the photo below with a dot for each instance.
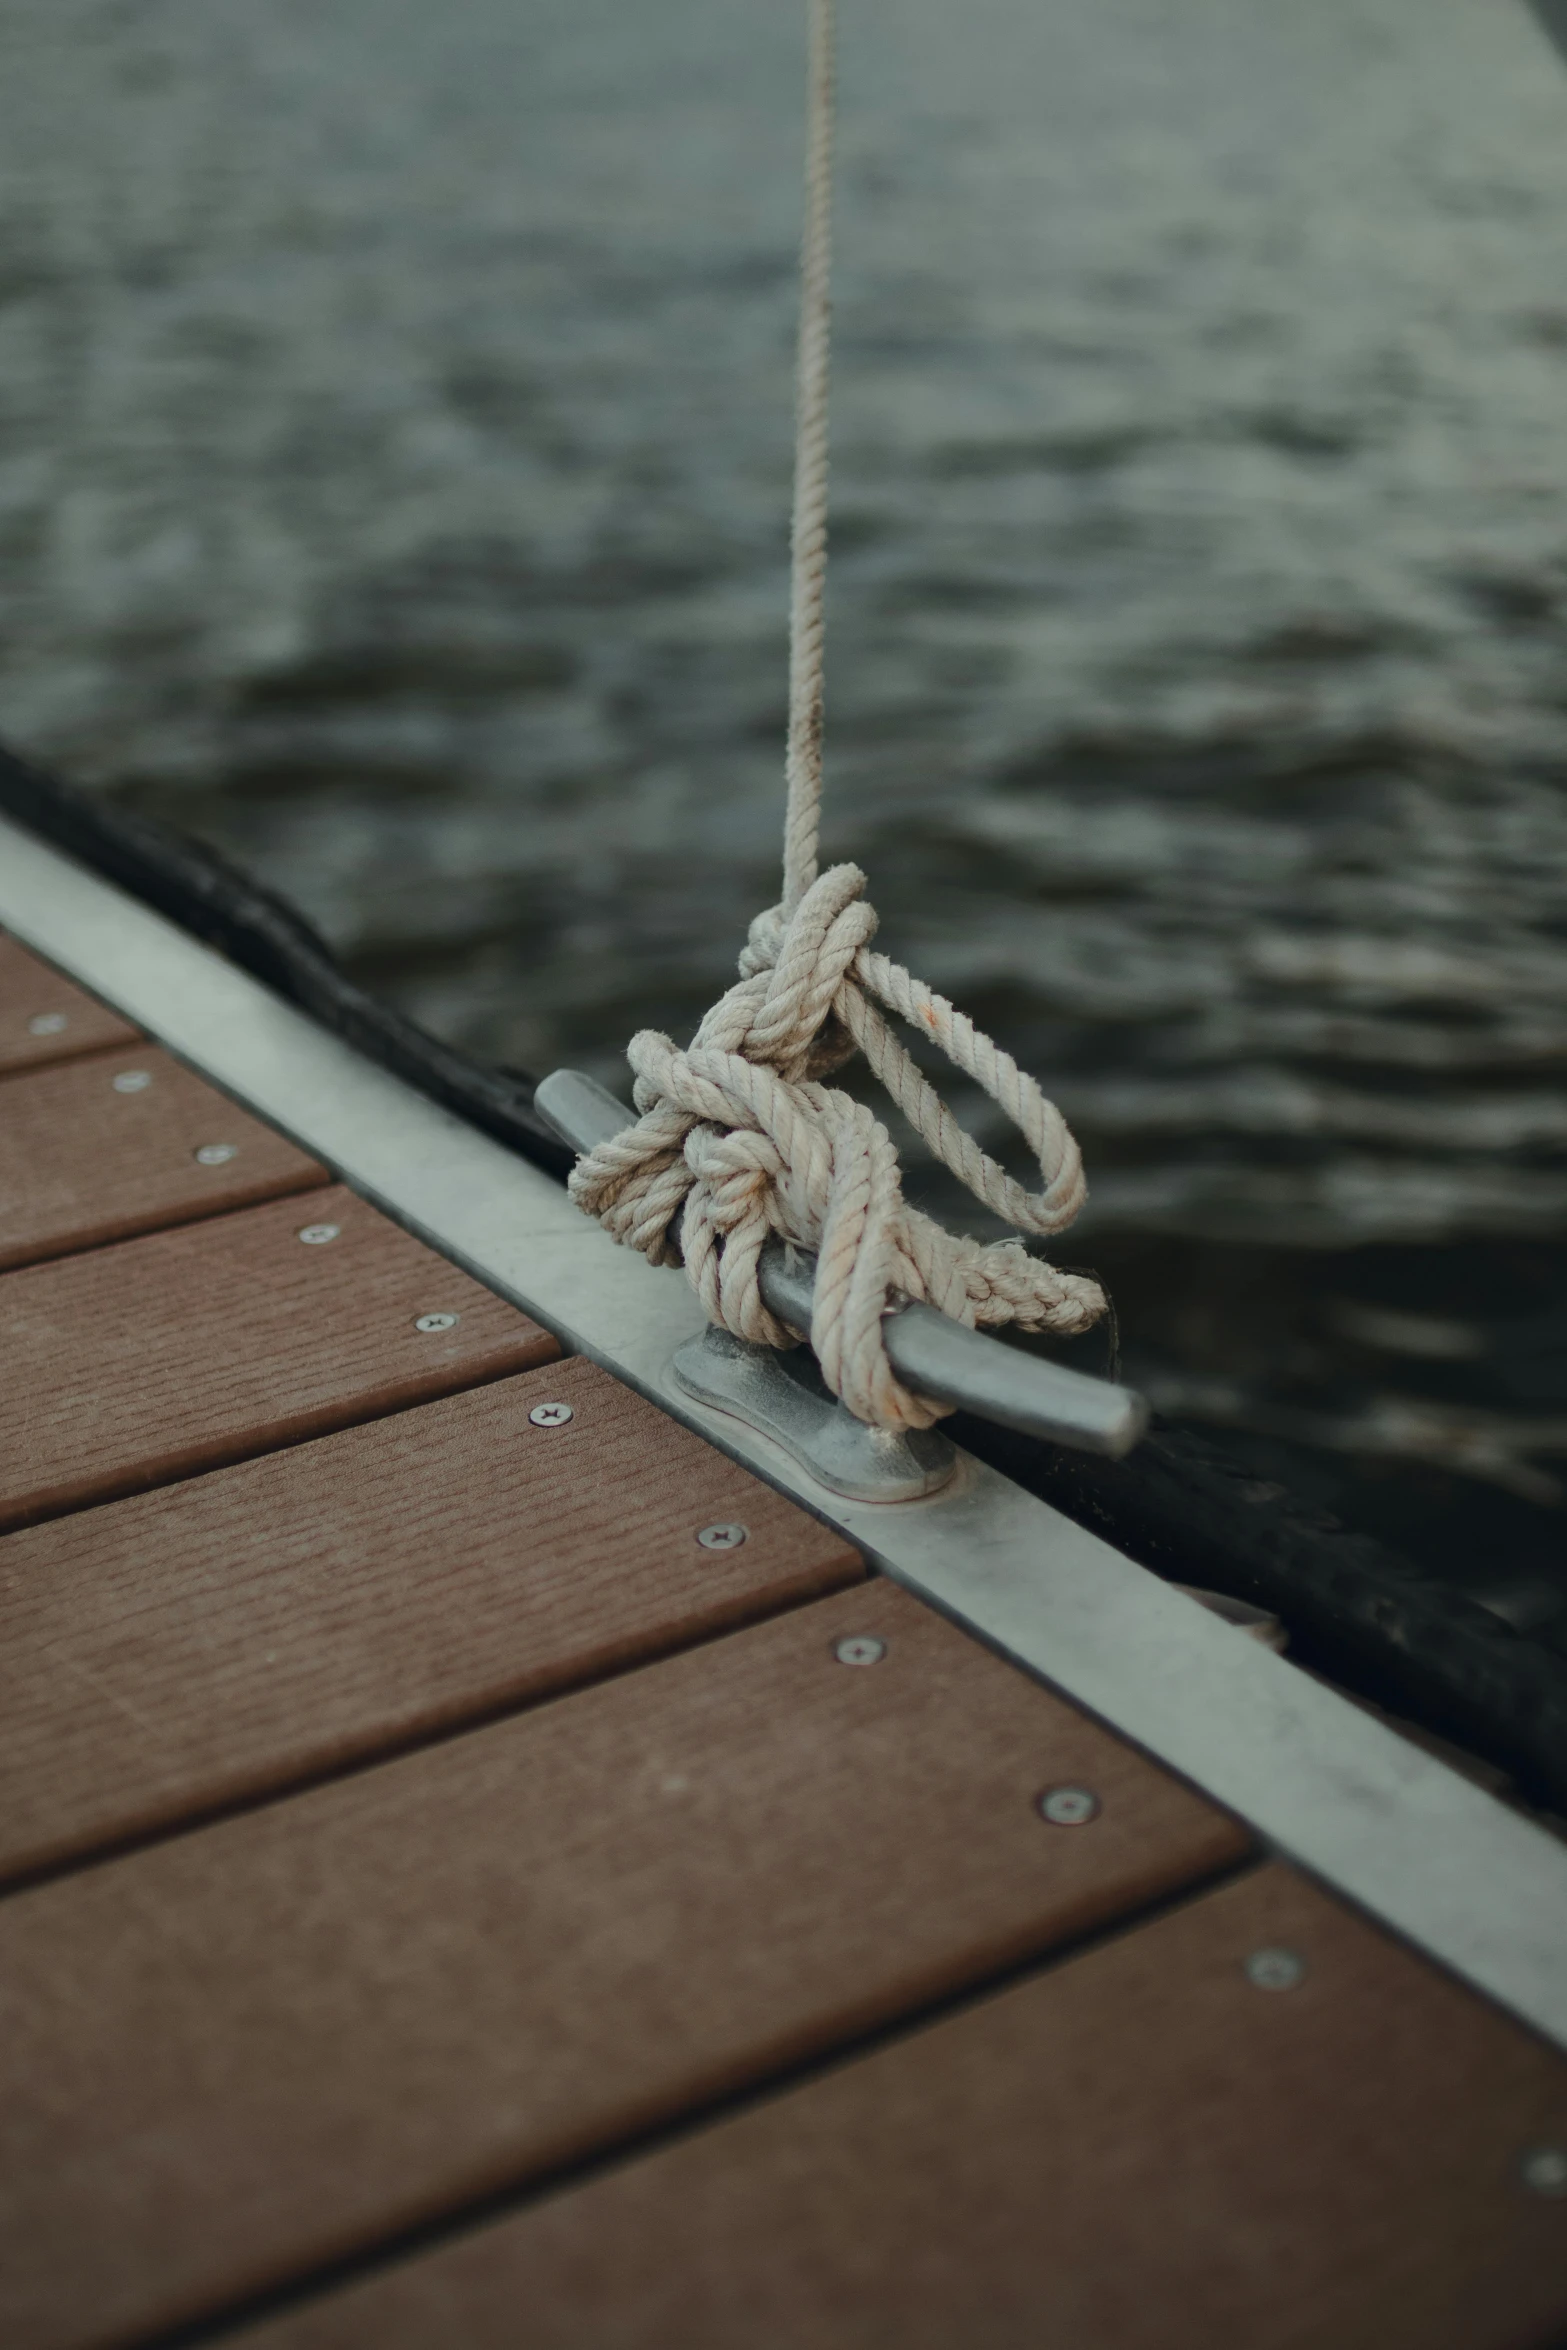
(1275, 1969)
(727, 1537)
(429, 1322)
(1543, 2170)
(551, 1415)
(1069, 1807)
(132, 1081)
(47, 1024)
(216, 1154)
(861, 1648)
(317, 1235)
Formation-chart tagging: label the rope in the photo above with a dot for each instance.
(808, 529)
(738, 1139)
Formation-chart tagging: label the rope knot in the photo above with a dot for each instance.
(806, 957)
(738, 1139)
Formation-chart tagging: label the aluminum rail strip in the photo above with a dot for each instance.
(1471, 1883)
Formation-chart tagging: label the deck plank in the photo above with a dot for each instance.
(147, 1361)
(239, 2053)
(1138, 2151)
(46, 1018)
(217, 1640)
(99, 1149)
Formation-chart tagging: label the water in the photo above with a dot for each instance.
(394, 428)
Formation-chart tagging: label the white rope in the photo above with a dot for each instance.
(808, 531)
(738, 1138)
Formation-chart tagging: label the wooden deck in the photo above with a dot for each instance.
(448, 1902)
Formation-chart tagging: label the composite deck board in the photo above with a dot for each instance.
(46, 1018)
(286, 2035)
(1139, 2150)
(95, 1150)
(222, 1638)
(154, 1358)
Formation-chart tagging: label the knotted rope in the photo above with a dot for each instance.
(738, 1138)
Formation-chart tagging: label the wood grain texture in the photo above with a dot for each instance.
(68, 1020)
(150, 1360)
(221, 1638)
(231, 2056)
(1138, 2151)
(84, 1161)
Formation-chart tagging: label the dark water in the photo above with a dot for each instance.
(393, 470)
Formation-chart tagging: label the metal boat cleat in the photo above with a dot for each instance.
(785, 1397)
(931, 1354)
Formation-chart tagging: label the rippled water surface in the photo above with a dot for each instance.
(394, 424)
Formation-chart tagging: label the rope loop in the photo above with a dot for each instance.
(738, 1139)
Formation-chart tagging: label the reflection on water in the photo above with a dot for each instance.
(393, 470)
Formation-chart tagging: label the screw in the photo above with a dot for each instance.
(861, 1648)
(47, 1024)
(722, 1537)
(429, 1322)
(1544, 2170)
(216, 1154)
(1275, 1970)
(132, 1081)
(1069, 1807)
(317, 1235)
(551, 1415)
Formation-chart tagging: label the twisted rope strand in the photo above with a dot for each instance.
(737, 1138)
(808, 533)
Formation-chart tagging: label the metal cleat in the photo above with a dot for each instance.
(932, 1354)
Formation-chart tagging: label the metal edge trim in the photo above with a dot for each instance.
(1406, 1839)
